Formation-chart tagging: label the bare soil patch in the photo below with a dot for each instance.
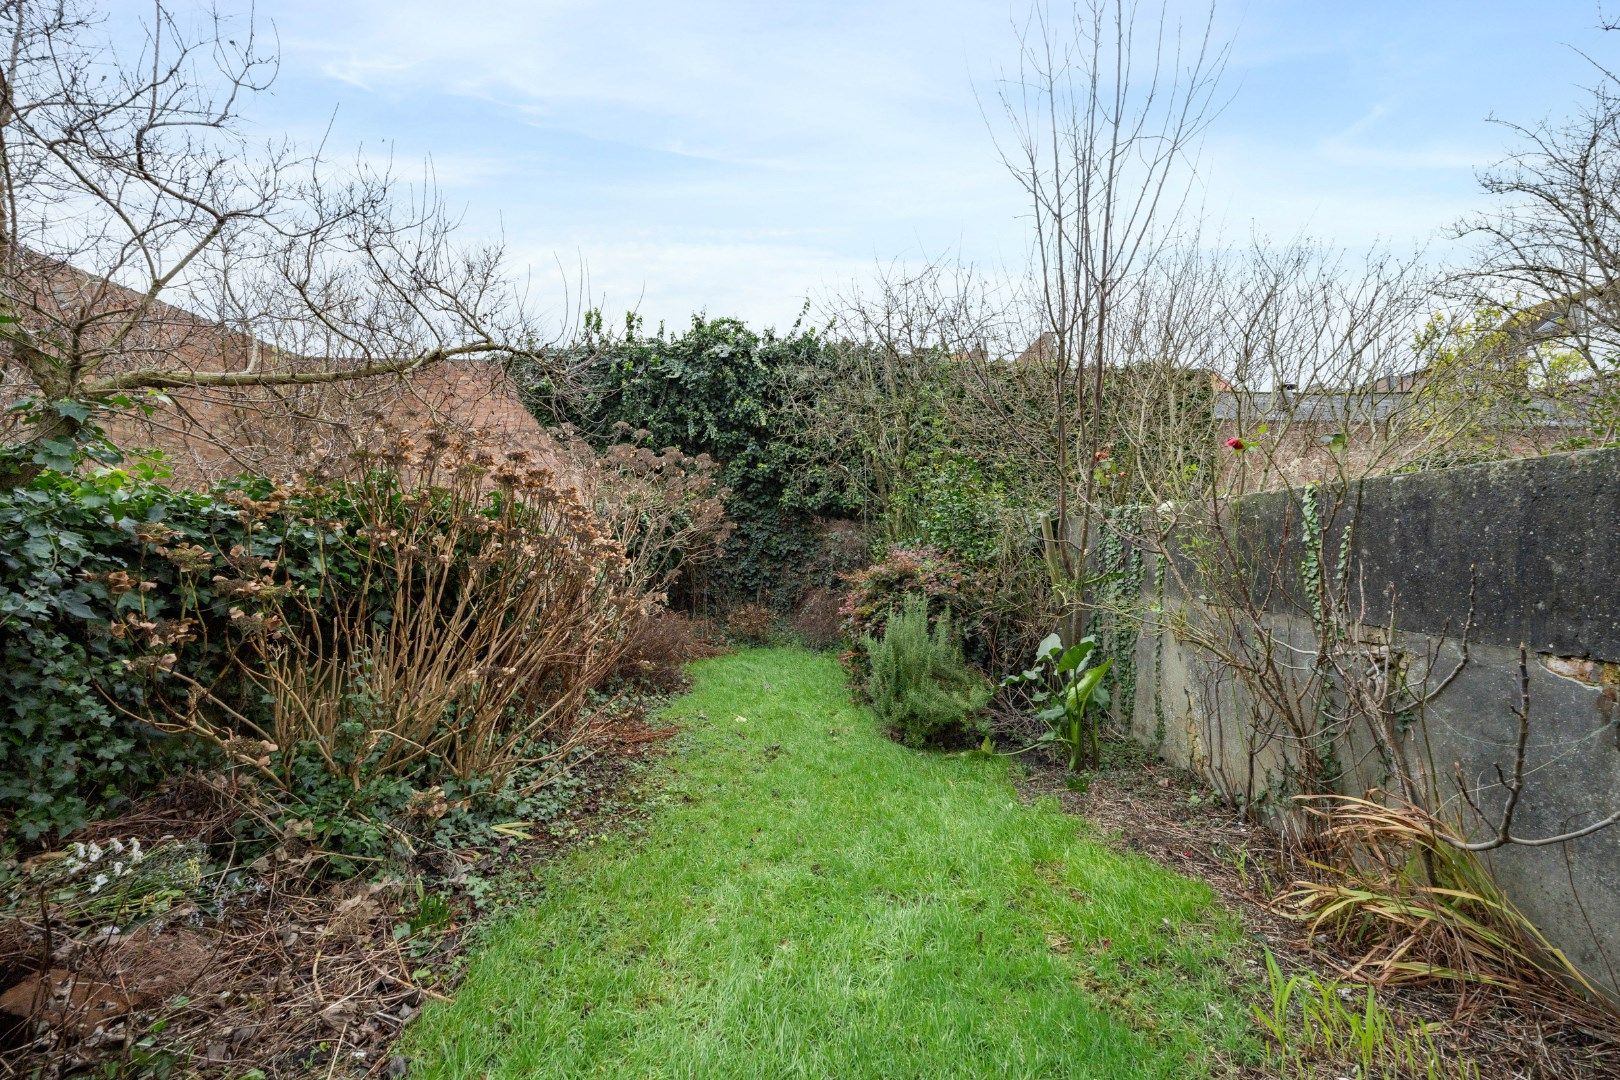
(1166, 815)
(261, 970)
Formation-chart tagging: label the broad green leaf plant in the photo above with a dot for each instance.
(1065, 685)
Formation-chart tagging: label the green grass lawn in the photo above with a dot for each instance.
(813, 900)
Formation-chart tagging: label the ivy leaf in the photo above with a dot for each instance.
(58, 455)
(77, 608)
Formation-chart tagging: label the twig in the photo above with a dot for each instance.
(1515, 787)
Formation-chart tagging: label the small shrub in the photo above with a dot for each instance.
(751, 624)
(1065, 685)
(982, 518)
(878, 591)
(658, 648)
(842, 546)
(920, 684)
(819, 620)
(665, 508)
(490, 601)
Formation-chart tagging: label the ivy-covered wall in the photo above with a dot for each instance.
(719, 388)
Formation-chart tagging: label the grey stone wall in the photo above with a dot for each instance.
(1535, 543)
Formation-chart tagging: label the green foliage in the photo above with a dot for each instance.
(108, 584)
(953, 504)
(719, 389)
(1322, 769)
(1065, 685)
(919, 683)
(879, 408)
(389, 815)
(1119, 593)
(1494, 379)
(1311, 1022)
(981, 516)
(70, 433)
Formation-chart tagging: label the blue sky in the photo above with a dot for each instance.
(735, 157)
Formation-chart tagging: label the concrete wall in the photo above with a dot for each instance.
(1536, 543)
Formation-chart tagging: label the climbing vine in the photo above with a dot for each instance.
(1159, 726)
(1316, 581)
(1121, 597)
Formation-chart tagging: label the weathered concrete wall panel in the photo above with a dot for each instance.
(1535, 538)
(1536, 542)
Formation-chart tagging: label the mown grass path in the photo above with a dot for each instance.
(813, 900)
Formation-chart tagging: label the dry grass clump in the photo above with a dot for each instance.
(1396, 895)
(819, 619)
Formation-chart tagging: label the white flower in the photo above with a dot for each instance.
(96, 885)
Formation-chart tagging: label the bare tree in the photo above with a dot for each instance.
(1103, 115)
(147, 244)
(1549, 253)
(889, 378)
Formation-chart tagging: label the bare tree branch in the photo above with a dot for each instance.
(148, 243)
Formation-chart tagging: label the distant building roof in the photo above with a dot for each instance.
(1310, 406)
(1348, 408)
(208, 434)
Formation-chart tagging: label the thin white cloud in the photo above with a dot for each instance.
(1354, 146)
(367, 73)
(720, 79)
